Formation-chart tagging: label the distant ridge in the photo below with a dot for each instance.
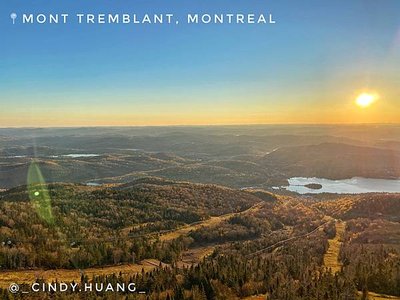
(335, 161)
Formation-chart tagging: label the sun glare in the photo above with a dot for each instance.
(365, 99)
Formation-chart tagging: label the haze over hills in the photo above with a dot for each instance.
(335, 161)
(235, 156)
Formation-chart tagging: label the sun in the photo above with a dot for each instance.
(365, 99)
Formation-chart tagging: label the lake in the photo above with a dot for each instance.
(93, 184)
(80, 155)
(76, 155)
(356, 185)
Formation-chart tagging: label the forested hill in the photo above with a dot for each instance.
(211, 242)
(91, 223)
(372, 206)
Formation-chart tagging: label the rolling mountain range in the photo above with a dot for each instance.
(236, 157)
(189, 213)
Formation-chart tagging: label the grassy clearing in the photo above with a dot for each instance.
(331, 257)
(194, 256)
(256, 297)
(187, 229)
(209, 222)
(375, 296)
(64, 275)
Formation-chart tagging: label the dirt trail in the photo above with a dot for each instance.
(331, 257)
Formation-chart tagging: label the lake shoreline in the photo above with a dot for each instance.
(355, 185)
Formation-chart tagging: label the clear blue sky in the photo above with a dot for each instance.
(316, 57)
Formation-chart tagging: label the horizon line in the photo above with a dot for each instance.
(200, 125)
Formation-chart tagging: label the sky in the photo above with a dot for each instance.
(308, 67)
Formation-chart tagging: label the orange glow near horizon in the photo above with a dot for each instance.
(337, 107)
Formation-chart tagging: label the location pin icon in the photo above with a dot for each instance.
(13, 16)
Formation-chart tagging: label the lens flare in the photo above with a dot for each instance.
(39, 194)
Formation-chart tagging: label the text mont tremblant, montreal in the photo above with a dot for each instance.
(193, 18)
